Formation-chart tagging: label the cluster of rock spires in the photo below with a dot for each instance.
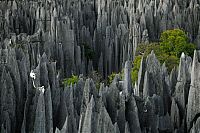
(85, 35)
(44, 41)
(158, 103)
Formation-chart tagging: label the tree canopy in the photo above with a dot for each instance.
(68, 81)
(174, 42)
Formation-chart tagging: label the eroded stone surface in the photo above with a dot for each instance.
(55, 39)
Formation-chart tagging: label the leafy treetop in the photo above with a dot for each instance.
(174, 42)
(68, 81)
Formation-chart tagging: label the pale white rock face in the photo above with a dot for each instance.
(41, 89)
(183, 55)
(10, 42)
(146, 91)
(14, 6)
(193, 99)
(87, 123)
(180, 90)
(136, 90)
(32, 74)
(127, 79)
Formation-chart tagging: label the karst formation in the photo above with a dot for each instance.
(43, 42)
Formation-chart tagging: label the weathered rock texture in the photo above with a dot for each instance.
(53, 39)
(94, 34)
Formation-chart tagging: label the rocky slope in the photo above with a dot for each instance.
(44, 41)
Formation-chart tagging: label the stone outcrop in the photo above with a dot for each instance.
(43, 42)
(106, 33)
(193, 100)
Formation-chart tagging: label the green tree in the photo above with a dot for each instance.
(144, 50)
(174, 42)
(68, 81)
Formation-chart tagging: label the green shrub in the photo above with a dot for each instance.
(68, 81)
(135, 69)
(144, 50)
(113, 74)
(111, 77)
(170, 60)
(174, 42)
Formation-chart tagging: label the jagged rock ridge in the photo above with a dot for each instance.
(42, 42)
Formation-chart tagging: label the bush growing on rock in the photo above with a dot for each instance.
(171, 61)
(135, 69)
(174, 42)
(112, 76)
(68, 81)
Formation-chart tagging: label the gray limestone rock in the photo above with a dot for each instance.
(132, 116)
(175, 116)
(141, 75)
(104, 122)
(64, 128)
(62, 112)
(165, 123)
(116, 130)
(154, 71)
(86, 95)
(8, 102)
(193, 100)
(60, 38)
(88, 117)
(127, 130)
(195, 127)
(48, 110)
(146, 91)
(182, 85)
(173, 80)
(127, 79)
(40, 118)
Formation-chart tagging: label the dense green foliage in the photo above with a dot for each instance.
(68, 81)
(113, 74)
(174, 42)
(136, 67)
(111, 77)
(171, 61)
(94, 75)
